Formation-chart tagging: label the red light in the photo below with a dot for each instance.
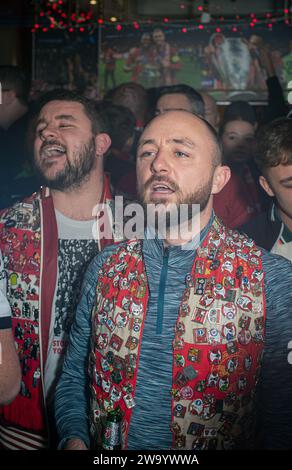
(70, 30)
(60, 2)
(286, 11)
(184, 30)
(234, 29)
(270, 25)
(252, 15)
(52, 26)
(81, 30)
(100, 20)
(218, 30)
(251, 25)
(36, 26)
(45, 30)
(201, 26)
(33, 30)
(136, 26)
(165, 20)
(119, 27)
(200, 8)
(42, 13)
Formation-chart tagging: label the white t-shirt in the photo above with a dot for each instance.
(76, 248)
(4, 305)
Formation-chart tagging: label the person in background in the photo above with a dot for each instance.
(178, 97)
(47, 241)
(16, 176)
(273, 229)
(211, 110)
(119, 161)
(133, 96)
(9, 364)
(109, 59)
(166, 58)
(142, 64)
(241, 199)
(265, 74)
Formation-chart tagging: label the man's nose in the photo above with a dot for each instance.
(48, 132)
(161, 163)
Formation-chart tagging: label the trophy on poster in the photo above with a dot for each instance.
(231, 59)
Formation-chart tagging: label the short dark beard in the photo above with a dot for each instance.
(201, 197)
(74, 173)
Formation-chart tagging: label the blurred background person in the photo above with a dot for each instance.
(241, 198)
(16, 176)
(273, 229)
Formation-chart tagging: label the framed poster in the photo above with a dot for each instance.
(226, 64)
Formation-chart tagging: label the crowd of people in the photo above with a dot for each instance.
(173, 339)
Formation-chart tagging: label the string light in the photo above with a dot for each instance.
(56, 14)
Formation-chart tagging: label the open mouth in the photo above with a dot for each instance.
(162, 188)
(53, 151)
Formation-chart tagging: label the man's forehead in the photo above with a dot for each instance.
(281, 170)
(56, 105)
(173, 120)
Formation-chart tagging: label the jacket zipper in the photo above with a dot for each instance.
(161, 292)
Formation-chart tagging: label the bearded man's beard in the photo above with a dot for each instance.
(183, 210)
(74, 173)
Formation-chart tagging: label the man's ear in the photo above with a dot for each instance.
(221, 177)
(266, 186)
(102, 143)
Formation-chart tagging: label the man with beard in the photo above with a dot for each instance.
(178, 323)
(47, 243)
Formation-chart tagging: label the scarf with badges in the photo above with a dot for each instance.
(29, 245)
(217, 345)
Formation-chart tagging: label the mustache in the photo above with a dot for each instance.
(158, 179)
(50, 142)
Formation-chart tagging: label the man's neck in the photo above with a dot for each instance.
(78, 204)
(190, 229)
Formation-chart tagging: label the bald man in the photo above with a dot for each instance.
(176, 320)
